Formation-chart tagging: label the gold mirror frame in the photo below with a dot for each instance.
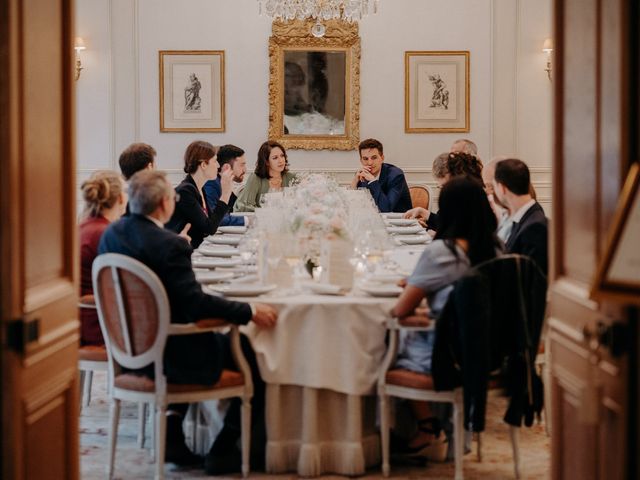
(296, 35)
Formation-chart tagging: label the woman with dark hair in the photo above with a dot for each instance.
(445, 167)
(466, 237)
(271, 175)
(192, 213)
(105, 200)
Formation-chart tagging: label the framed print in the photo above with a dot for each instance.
(314, 86)
(618, 275)
(436, 92)
(192, 91)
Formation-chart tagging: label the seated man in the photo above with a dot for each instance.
(528, 236)
(136, 157)
(386, 182)
(234, 156)
(190, 359)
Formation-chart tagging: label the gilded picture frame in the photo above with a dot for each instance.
(618, 275)
(191, 90)
(437, 91)
(314, 86)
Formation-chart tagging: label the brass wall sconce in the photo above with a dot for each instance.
(547, 48)
(79, 45)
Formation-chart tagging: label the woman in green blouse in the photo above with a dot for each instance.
(271, 175)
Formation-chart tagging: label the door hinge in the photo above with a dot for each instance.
(21, 332)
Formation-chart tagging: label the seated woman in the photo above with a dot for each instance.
(445, 167)
(192, 212)
(271, 175)
(466, 237)
(105, 201)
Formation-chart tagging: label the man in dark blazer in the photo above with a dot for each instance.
(386, 182)
(188, 359)
(234, 156)
(529, 232)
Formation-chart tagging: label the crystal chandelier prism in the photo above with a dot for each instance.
(318, 10)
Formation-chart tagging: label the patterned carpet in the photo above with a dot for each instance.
(134, 463)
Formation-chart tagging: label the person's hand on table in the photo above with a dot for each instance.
(184, 231)
(265, 316)
(418, 213)
(402, 283)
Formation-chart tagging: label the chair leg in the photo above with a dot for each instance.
(458, 437)
(515, 431)
(161, 433)
(86, 394)
(246, 435)
(384, 433)
(82, 378)
(142, 423)
(114, 419)
(479, 447)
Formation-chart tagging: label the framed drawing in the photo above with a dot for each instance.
(436, 92)
(191, 91)
(618, 274)
(314, 86)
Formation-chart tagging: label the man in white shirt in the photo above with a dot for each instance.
(529, 230)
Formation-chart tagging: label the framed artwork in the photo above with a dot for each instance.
(192, 91)
(436, 92)
(618, 275)
(314, 86)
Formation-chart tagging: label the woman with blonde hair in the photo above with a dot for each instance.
(105, 202)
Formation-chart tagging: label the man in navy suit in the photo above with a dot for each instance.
(529, 232)
(190, 359)
(386, 182)
(234, 156)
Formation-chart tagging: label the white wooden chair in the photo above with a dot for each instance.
(135, 319)
(414, 386)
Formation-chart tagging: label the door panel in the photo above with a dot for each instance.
(39, 326)
(589, 386)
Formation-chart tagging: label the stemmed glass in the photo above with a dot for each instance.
(293, 256)
(247, 248)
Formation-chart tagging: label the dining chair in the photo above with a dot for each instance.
(420, 196)
(93, 358)
(401, 383)
(134, 315)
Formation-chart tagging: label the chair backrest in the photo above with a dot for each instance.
(420, 196)
(133, 310)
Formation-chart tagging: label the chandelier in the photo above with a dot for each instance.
(319, 10)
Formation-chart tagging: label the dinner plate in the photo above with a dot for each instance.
(242, 214)
(233, 229)
(214, 262)
(413, 239)
(381, 290)
(213, 276)
(213, 250)
(243, 289)
(228, 239)
(408, 230)
(402, 222)
(392, 215)
(327, 289)
(386, 277)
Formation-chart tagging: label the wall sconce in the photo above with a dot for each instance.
(547, 48)
(79, 45)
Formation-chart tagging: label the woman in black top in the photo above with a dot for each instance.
(200, 165)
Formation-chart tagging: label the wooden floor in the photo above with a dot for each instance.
(134, 463)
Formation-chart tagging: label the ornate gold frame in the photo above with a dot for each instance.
(295, 35)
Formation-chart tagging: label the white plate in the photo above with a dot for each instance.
(392, 215)
(233, 229)
(402, 222)
(244, 269)
(228, 239)
(243, 289)
(413, 239)
(212, 250)
(382, 290)
(408, 230)
(213, 276)
(212, 262)
(326, 289)
(242, 214)
(386, 277)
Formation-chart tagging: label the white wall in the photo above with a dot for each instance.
(510, 96)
